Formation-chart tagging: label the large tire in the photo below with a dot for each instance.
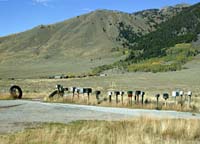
(16, 92)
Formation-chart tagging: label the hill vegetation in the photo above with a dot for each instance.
(174, 59)
(99, 38)
(183, 28)
(157, 51)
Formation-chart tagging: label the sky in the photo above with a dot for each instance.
(20, 15)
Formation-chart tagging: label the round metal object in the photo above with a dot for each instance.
(16, 92)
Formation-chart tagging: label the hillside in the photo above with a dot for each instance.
(75, 45)
(182, 28)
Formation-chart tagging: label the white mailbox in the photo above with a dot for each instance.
(181, 93)
(110, 93)
(189, 93)
(176, 93)
(122, 93)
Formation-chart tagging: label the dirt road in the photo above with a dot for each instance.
(16, 115)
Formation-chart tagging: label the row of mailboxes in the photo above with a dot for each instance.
(175, 94)
(80, 90)
(136, 94)
(181, 93)
(129, 94)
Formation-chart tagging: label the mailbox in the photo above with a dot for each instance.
(60, 88)
(175, 93)
(137, 93)
(87, 90)
(130, 93)
(181, 93)
(142, 93)
(189, 93)
(110, 93)
(97, 94)
(77, 90)
(110, 96)
(121, 93)
(165, 96)
(117, 93)
(157, 95)
(72, 89)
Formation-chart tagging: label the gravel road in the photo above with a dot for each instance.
(16, 115)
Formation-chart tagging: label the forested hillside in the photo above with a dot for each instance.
(183, 28)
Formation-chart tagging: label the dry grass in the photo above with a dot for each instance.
(150, 83)
(5, 96)
(138, 131)
(171, 105)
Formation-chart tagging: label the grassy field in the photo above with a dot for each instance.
(151, 83)
(77, 64)
(137, 131)
(140, 131)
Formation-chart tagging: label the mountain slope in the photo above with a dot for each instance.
(63, 47)
(183, 28)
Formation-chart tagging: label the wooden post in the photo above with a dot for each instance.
(122, 94)
(73, 96)
(165, 96)
(131, 101)
(78, 93)
(137, 93)
(181, 100)
(97, 96)
(189, 98)
(189, 101)
(88, 96)
(72, 89)
(175, 100)
(117, 94)
(157, 99)
(181, 94)
(135, 98)
(142, 99)
(130, 95)
(110, 96)
(142, 94)
(174, 94)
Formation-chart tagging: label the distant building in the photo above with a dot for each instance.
(103, 75)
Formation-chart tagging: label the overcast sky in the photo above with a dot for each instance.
(20, 15)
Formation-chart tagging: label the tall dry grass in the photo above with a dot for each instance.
(138, 131)
(5, 96)
(171, 105)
